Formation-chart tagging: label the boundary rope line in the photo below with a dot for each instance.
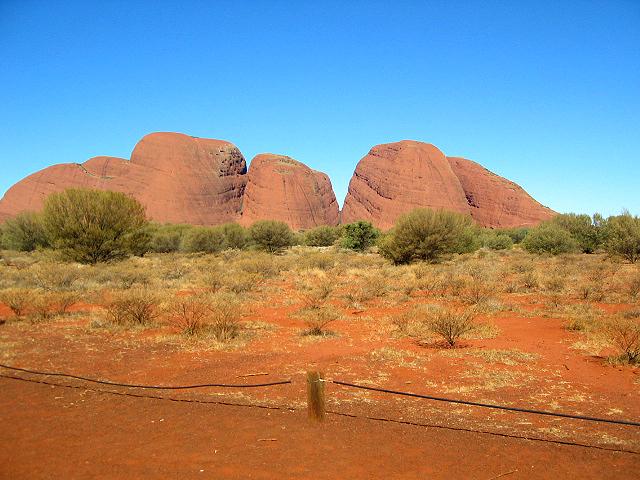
(331, 412)
(154, 387)
(490, 405)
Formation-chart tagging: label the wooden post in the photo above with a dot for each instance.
(315, 396)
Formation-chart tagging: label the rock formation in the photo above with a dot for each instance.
(281, 188)
(397, 177)
(184, 179)
(179, 179)
(495, 201)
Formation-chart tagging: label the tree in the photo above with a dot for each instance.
(549, 238)
(359, 235)
(425, 234)
(583, 228)
(322, 236)
(622, 236)
(24, 232)
(271, 236)
(90, 226)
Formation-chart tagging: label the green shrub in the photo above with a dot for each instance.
(622, 237)
(204, 239)
(271, 236)
(495, 240)
(549, 238)
(584, 229)
(90, 226)
(24, 232)
(235, 236)
(517, 234)
(425, 234)
(359, 235)
(322, 236)
(167, 238)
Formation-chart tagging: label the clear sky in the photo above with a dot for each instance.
(545, 93)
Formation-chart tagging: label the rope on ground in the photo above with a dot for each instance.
(153, 397)
(153, 387)
(340, 414)
(490, 405)
(483, 432)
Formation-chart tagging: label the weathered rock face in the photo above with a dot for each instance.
(398, 177)
(281, 188)
(179, 179)
(29, 193)
(495, 201)
(190, 180)
(395, 178)
(183, 179)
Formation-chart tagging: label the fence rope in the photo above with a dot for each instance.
(153, 387)
(330, 412)
(490, 405)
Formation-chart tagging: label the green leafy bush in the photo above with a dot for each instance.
(90, 226)
(517, 234)
(204, 239)
(495, 240)
(425, 234)
(549, 238)
(235, 236)
(359, 235)
(622, 237)
(584, 229)
(271, 236)
(322, 236)
(24, 232)
(167, 238)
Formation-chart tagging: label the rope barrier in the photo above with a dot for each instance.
(331, 412)
(490, 405)
(154, 387)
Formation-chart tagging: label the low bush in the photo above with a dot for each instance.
(235, 236)
(225, 312)
(135, 307)
(359, 235)
(271, 236)
(427, 235)
(24, 232)
(450, 324)
(322, 236)
(167, 238)
(316, 320)
(191, 315)
(204, 240)
(496, 241)
(549, 238)
(17, 299)
(624, 335)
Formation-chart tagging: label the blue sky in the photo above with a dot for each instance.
(544, 93)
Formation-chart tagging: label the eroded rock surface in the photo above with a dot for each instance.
(281, 188)
(494, 200)
(178, 178)
(397, 177)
